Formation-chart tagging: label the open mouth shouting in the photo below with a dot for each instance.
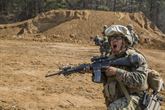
(116, 46)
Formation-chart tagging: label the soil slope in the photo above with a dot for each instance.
(77, 26)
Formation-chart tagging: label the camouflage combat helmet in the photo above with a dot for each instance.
(130, 26)
(119, 29)
(97, 36)
(105, 26)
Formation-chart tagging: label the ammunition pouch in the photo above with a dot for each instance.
(151, 102)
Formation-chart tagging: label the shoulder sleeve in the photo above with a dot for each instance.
(135, 78)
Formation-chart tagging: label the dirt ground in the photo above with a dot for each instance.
(32, 48)
(22, 77)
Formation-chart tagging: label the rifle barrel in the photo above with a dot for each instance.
(53, 73)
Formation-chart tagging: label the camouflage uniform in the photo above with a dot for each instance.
(134, 79)
(104, 45)
(105, 48)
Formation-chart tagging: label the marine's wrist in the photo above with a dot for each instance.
(120, 73)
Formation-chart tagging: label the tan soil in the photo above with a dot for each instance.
(29, 49)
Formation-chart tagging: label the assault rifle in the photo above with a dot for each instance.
(98, 65)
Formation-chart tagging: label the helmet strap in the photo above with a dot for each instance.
(124, 45)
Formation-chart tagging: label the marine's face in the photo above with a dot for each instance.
(116, 43)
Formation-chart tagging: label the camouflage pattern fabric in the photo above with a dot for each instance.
(135, 37)
(104, 45)
(133, 78)
(122, 104)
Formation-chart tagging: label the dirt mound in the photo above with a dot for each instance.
(77, 26)
(50, 19)
(46, 20)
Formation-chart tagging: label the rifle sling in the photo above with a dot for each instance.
(124, 90)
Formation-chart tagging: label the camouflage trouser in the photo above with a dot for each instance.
(122, 104)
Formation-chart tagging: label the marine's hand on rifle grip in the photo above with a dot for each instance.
(110, 71)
